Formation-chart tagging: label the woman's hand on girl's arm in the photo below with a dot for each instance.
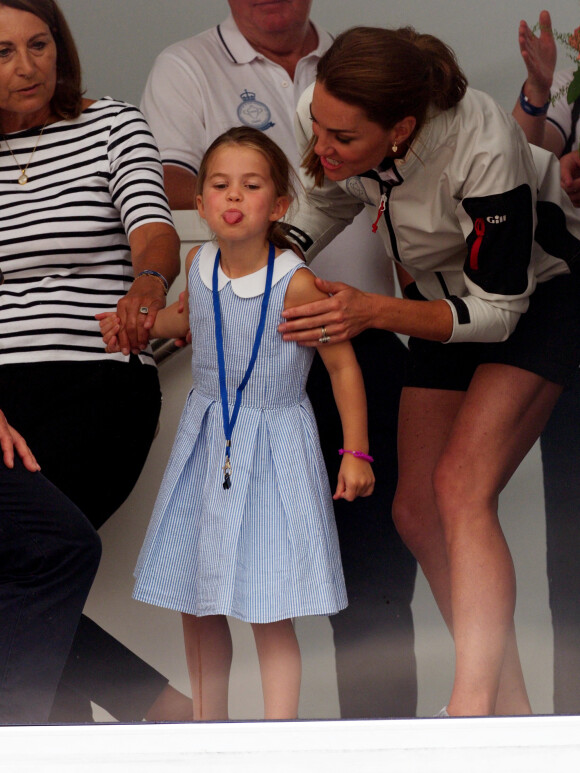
(355, 479)
(172, 322)
(154, 247)
(350, 311)
(343, 315)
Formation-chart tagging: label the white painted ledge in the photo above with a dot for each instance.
(493, 745)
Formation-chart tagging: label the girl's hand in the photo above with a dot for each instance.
(110, 325)
(355, 479)
(344, 315)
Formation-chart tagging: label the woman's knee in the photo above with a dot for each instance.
(461, 494)
(408, 512)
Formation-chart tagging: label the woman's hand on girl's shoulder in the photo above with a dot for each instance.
(355, 479)
(343, 311)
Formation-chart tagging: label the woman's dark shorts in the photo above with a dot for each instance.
(546, 341)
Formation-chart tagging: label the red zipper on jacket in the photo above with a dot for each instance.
(380, 211)
(479, 226)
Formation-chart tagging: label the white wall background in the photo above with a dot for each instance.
(118, 41)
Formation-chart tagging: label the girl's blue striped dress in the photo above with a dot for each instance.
(265, 549)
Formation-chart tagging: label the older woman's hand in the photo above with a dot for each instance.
(343, 315)
(154, 247)
(10, 439)
(134, 323)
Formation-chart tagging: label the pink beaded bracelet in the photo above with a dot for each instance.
(358, 454)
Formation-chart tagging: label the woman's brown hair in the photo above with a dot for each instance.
(388, 74)
(280, 170)
(67, 99)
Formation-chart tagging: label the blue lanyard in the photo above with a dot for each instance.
(229, 422)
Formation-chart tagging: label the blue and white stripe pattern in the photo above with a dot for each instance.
(64, 249)
(267, 548)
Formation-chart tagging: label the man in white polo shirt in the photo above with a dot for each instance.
(251, 70)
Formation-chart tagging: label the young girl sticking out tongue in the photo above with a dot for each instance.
(243, 524)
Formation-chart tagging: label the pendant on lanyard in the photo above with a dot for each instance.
(229, 421)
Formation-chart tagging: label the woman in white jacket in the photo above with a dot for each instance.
(451, 184)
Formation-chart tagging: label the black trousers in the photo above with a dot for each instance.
(560, 444)
(373, 636)
(49, 554)
(90, 426)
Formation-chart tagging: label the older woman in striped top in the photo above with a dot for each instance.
(84, 225)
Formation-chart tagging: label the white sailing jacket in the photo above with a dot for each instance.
(458, 212)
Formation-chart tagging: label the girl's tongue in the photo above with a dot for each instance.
(232, 217)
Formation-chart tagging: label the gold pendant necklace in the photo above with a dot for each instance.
(23, 179)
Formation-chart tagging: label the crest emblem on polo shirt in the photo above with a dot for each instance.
(253, 113)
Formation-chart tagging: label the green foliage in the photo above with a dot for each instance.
(574, 88)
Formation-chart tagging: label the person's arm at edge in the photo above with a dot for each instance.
(180, 185)
(539, 55)
(173, 107)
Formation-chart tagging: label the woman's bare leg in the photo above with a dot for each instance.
(503, 413)
(425, 420)
(208, 649)
(440, 431)
(280, 668)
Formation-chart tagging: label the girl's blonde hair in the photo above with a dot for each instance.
(390, 75)
(280, 170)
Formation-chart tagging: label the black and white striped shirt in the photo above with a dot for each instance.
(64, 249)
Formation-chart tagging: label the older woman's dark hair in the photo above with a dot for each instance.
(67, 99)
(390, 74)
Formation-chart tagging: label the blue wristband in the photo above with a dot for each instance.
(530, 109)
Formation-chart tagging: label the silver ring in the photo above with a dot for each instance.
(143, 309)
(324, 338)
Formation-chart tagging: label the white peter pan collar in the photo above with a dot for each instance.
(248, 286)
